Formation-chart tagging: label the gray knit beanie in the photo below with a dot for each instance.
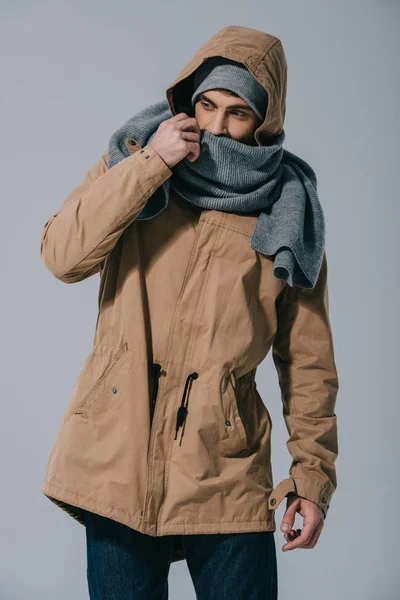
(221, 72)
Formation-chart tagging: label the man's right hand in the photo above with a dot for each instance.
(177, 138)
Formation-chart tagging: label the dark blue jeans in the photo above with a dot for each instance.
(124, 564)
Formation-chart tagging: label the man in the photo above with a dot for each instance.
(208, 238)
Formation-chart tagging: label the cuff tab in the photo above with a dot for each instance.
(281, 490)
(132, 145)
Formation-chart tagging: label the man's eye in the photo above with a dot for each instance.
(234, 112)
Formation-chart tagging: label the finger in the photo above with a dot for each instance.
(304, 537)
(188, 124)
(288, 518)
(194, 150)
(179, 117)
(291, 535)
(190, 136)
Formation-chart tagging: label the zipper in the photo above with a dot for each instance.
(150, 480)
(188, 270)
(156, 371)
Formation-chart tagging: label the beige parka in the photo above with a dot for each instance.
(187, 312)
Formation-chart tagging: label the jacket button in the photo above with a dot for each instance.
(132, 142)
(273, 501)
(114, 391)
(148, 156)
(227, 422)
(324, 500)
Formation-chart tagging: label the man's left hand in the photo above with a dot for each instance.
(313, 522)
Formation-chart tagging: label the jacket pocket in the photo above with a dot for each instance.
(105, 367)
(235, 439)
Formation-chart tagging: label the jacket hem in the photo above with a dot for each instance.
(182, 528)
(74, 504)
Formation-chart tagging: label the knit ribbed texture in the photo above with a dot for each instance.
(236, 177)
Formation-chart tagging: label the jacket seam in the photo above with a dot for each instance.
(189, 353)
(326, 487)
(191, 340)
(263, 53)
(150, 471)
(295, 454)
(210, 522)
(224, 36)
(229, 227)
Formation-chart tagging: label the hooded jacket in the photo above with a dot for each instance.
(187, 310)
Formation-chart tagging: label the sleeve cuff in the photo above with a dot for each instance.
(157, 168)
(306, 488)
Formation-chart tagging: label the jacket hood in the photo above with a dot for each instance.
(261, 53)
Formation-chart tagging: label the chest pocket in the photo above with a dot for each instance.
(234, 439)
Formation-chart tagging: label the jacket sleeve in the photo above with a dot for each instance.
(77, 239)
(303, 354)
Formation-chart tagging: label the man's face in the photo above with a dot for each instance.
(225, 115)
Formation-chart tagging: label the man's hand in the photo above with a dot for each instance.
(177, 138)
(313, 522)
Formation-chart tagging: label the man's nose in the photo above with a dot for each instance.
(217, 125)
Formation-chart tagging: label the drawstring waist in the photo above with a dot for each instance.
(246, 380)
(182, 410)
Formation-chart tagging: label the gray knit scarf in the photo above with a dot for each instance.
(232, 176)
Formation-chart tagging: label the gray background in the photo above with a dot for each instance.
(71, 73)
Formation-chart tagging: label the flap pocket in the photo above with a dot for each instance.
(100, 375)
(236, 436)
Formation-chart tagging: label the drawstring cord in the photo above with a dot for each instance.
(182, 410)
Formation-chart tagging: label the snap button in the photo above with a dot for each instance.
(273, 501)
(324, 500)
(114, 391)
(148, 156)
(227, 422)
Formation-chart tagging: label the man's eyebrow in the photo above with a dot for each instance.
(241, 106)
